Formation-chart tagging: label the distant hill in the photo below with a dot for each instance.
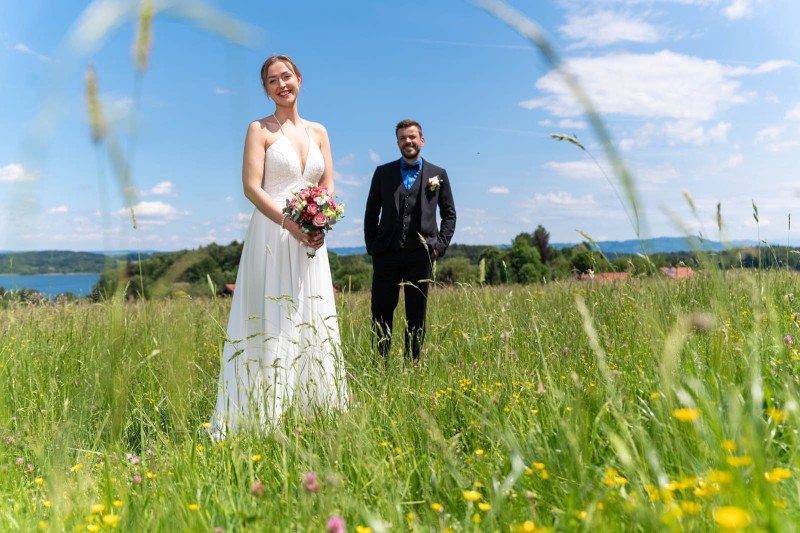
(658, 245)
(662, 245)
(349, 250)
(64, 262)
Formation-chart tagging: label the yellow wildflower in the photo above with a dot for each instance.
(739, 460)
(150, 475)
(776, 415)
(730, 517)
(92, 528)
(690, 507)
(539, 466)
(256, 457)
(776, 475)
(484, 506)
(39, 481)
(98, 508)
(47, 503)
(206, 425)
(729, 445)
(655, 395)
(437, 507)
(111, 519)
(686, 414)
(118, 503)
(76, 467)
(472, 495)
(193, 507)
(527, 526)
(719, 476)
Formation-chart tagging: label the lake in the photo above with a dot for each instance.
(51, 284)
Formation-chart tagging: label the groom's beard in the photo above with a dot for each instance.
(410, 151)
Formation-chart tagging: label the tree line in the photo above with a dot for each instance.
(528, 259)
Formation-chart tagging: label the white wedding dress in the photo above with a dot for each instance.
(282, 349)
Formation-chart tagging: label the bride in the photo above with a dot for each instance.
(282, 347)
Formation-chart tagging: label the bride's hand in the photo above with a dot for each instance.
(314, 239)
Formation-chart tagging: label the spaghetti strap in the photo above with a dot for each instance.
(279, 124)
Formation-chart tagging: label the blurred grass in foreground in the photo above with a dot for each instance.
(648, 404)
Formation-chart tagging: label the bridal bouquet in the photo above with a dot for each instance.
(314, 209)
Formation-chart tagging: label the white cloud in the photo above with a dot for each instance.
(346, 159)
(570, 124)
(164, 188)
(738, 9)
(793, 114)
(776, 139)
(664, 84)
(346, 179)
(581, 170)
(691, 132)
(153, 213)
(498, 190)
(773, 65)
(58, 209)
(243, 217)
(25, 49)
(607, 27)
(14, 172)
(564, 198)
(221, 91)
(734, 161)
(373, 156)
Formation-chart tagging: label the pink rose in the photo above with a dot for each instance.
(311, 209)
(320, 220)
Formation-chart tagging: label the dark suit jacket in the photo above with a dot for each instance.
(383, 208)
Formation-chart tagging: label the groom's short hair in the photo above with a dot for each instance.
(407, 123)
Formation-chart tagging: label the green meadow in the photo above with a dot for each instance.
(647, 405)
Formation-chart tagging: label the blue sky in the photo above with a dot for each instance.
(700, 96)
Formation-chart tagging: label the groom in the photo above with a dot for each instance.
(402, 237)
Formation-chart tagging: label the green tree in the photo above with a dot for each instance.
(541, 239)
(456, 270)
(496, 265)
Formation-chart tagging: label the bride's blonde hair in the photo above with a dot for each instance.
(274, 59)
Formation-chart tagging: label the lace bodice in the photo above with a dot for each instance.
(282, 170)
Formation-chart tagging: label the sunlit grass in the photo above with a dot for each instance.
(649, 404)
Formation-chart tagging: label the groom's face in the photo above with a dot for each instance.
(410, 141)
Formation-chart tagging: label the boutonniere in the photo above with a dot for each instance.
(434, 183)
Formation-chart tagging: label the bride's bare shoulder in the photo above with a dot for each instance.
(266, 130)
(319, 131)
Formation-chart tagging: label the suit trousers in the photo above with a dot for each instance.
(390, 270)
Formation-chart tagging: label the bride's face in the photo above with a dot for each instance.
(283, 85)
